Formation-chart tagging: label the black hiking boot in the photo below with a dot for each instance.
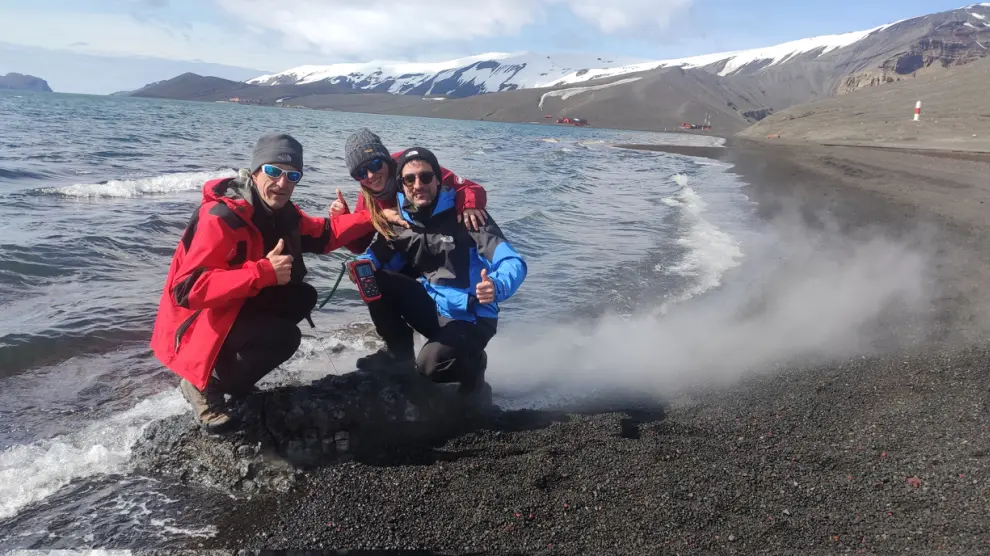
(476, 394)
(386, 359)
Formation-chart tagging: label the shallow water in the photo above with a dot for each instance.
(98, 190)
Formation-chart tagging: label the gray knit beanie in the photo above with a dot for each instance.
(277, 148)
(362, 147)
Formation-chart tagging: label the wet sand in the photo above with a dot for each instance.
(879, 454)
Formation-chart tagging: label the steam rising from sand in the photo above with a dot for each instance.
(802, 292)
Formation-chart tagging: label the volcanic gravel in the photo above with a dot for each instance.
(873, 455)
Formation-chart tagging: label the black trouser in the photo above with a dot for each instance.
(263, 336)
(452, 345)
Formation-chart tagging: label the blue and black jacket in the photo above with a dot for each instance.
(449, 257)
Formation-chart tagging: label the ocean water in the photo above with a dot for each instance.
(97, 191)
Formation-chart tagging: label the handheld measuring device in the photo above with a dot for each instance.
(364, 276)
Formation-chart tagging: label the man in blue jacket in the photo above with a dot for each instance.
(441, 279)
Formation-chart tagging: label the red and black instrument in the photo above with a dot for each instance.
(363, 272)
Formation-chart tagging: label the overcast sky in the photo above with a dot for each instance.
(102, 46)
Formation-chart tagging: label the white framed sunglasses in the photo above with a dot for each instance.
(274, 172)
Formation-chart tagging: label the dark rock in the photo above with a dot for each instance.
(20, 82)
(293, 428)
(757, 114)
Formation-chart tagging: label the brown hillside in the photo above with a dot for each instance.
(955, 114)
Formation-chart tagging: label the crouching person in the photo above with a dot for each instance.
(441, 279)
(234, 294)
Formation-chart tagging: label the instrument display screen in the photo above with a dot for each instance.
(364, 270)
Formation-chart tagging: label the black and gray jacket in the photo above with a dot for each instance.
(449, 258)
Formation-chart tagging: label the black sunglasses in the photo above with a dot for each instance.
(424, 178)
(373, 166)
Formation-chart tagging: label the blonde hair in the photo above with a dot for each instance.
(377, 217)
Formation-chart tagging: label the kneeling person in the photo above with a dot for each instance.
(234, 295)
(461, 276)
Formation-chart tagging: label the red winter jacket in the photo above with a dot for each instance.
(220, 262)
(470, 195)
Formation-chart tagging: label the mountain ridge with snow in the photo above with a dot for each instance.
(498, 71)
(482, 73)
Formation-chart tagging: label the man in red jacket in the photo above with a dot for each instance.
(235, 294)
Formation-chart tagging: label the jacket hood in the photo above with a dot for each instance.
(234, 192)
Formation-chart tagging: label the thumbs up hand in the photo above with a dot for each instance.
(281, 263)
(485, 290)
(339, 206)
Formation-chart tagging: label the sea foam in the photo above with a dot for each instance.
(709, 252)
(32, 472)
(153, 185)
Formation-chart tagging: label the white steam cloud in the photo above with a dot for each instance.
(800, 294)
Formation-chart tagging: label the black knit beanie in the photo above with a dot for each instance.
(417, 153)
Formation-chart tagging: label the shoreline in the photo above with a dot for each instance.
(880, 453)
(901, 190)
(719, 153)
(716, 153)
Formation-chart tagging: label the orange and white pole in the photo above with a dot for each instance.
(917, 111)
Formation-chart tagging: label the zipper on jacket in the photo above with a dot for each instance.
(179, 332)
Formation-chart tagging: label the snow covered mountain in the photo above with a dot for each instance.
(484, 73)
(734, 63)
(495, 72)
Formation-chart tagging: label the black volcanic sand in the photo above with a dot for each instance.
(871, 455)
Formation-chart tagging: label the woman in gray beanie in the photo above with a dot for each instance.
(371, 164)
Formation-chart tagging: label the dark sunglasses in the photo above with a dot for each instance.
(274, 172)
(373, 166)
(424, 178)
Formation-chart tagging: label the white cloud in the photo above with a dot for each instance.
(274, 35)
(120, 34)
(382, 28)
(366, 29)
(620, 15)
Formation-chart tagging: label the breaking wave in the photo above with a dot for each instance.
(32, 472)
(154, 185)
(709, 252)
